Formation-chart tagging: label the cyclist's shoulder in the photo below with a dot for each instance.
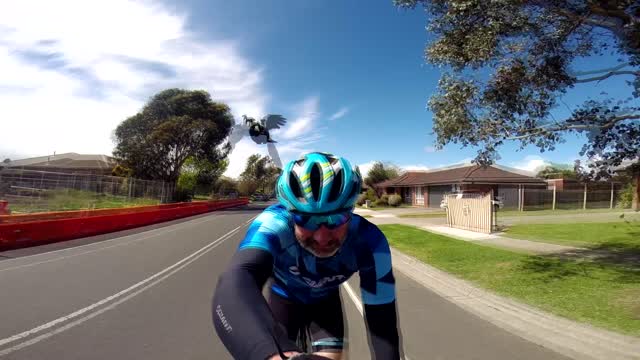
(268, 229)
(273, 213)
(367, 233)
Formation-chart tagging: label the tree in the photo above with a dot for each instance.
(6, 161)
(225, 185)
(259, 173)
(529, 50)
(557, 171)
(121, 171)
(173, 126)
(380, 172)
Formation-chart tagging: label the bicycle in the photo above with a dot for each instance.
(304, 343)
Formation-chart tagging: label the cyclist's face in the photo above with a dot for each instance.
(322, 242)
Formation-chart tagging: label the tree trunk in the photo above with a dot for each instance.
(635, 205)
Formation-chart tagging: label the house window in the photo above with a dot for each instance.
(419, 195)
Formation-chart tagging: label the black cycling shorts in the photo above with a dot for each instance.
(324, 320)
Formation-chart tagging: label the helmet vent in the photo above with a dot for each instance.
(316, 181)
(336, 186)
(295, 186)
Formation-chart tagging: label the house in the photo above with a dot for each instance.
(426, 188)
(69, 163)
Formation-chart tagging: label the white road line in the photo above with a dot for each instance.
(175, 267)
(357, 303)
(353, 297)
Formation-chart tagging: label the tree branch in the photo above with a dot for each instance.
(542, 130)
(599, 71)
(608, 75)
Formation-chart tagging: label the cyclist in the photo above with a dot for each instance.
(309, 244)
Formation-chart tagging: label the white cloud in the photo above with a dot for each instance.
(418, 167)
(340, 113)
(364, 168)
(73, 70)
(303, 122)
(532, 163)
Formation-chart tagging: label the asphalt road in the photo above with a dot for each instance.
(145, 294)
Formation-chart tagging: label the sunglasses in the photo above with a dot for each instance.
(313, 222)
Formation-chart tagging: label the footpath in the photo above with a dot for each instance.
(569, 338)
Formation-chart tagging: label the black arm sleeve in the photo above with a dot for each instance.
(241, 315)
(383, 331)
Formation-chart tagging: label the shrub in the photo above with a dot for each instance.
(371, 195)
(395, 200)
(379, 202)
(385, 198)
(361, 199)
(625, 197)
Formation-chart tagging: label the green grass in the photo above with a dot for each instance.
(63, 200)
(596, 292)
(424, 215)
(602, 235)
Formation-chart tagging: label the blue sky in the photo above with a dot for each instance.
(349, 75)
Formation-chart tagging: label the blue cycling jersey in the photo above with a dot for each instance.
(301, 276)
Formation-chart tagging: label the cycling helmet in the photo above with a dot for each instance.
(318, 183)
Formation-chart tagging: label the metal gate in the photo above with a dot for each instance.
(471, 211)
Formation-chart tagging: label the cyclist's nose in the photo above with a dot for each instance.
(322, 236)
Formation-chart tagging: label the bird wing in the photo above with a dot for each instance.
(274, 121)
(273, 153)
(237, 133)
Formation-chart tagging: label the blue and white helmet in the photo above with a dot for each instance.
(318, 183)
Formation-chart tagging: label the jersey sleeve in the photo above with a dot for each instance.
(377, 283)
(263, 233)
(377, 286)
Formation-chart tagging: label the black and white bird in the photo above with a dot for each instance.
(259, 133)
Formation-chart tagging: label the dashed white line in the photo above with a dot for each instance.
(358, 304)
(353, 297)
(169, 270)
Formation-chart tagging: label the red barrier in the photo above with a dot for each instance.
(31, 233)
(84, 213)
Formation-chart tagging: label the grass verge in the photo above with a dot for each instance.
(558, 212)
(593, 291)
(63, 200)
(620, 235)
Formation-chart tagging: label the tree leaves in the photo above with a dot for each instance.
(259, 173)
(527, 49)
(174, 125)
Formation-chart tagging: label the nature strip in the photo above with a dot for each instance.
(94, 222)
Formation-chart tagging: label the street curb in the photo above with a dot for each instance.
(569, 338)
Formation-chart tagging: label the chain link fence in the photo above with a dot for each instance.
(34, 191)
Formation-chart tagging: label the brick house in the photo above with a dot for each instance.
(426, 188)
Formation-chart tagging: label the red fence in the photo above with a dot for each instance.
(17, 231)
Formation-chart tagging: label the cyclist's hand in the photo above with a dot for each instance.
(288, 354)
(300, 356)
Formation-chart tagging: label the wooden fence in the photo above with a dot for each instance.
(471, 211)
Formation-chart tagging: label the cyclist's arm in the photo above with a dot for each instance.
(377, 286)
(241, 315)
